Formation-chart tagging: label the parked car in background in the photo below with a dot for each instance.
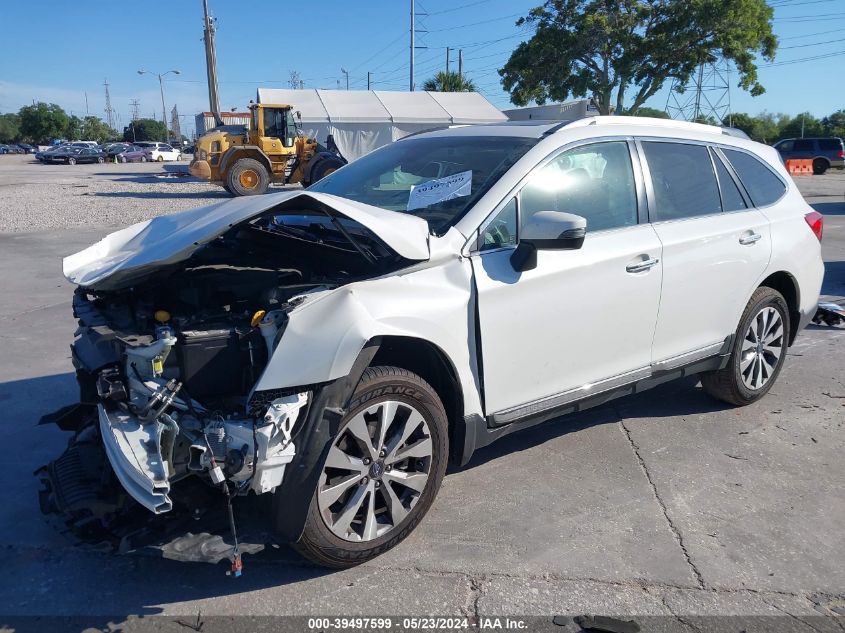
(341, 344)
(162, 153)
(10, 149)
(27, 148)
(74, 155)
(824, 152)
(132, 154)
(113, 149)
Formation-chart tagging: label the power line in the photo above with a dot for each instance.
(463, 26)
(802, 59)
(795, 37)
(463, 6)
(836, 41)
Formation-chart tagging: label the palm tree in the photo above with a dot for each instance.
(449, 82)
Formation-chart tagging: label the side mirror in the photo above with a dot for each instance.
(548, 230)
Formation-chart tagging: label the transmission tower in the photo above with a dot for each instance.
(706, 96)
(135, 105)
(174, 124)
(109, 111)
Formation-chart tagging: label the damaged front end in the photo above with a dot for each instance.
(174, 337)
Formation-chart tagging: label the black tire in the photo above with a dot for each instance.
(727, 384)
(248, 177)
(323, 168)
(101, 160)
(226, 187)
(71, 161)
(820, 166)
(318, 543)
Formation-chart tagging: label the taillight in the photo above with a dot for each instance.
(815, 221)
(841, 153)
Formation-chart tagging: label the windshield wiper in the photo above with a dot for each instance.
(364, 253)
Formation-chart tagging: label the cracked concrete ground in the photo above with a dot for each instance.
(666, 507)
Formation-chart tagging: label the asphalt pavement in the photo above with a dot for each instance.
(665, 504)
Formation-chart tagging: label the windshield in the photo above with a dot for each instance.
(435, 178)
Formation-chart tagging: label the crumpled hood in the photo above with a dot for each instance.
(123, 257)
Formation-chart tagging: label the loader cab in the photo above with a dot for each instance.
(275, 122)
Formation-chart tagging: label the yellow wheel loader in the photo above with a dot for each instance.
(246, 162)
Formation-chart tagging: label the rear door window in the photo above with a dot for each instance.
(760, 182)
(683, 181)
(830, 144)
(803, 145)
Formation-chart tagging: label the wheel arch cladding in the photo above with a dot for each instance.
(433, 365)
(786, 284)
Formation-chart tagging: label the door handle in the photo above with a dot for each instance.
(643, 266)
(748, 240)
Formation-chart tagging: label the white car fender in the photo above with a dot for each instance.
(326, 333)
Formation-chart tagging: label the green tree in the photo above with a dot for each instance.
(449, 82)
(10, 128)
(804, 124)
(43, 122)
(73, 131)
(144, 130)
(95, 129)
(624, 51)
(834, 124)
(652, 112)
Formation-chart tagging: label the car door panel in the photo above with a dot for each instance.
(712, 261)
(579, 317)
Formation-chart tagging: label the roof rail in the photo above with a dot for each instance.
(735, 131)
(646, 121)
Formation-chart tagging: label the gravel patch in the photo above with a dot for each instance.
(36, 197)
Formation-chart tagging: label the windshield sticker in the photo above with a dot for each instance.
(433, 191)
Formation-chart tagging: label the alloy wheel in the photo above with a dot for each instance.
(375, 472)
(762, 348)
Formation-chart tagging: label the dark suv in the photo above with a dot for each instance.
(824, 152)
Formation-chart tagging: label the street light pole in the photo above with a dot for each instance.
(346, 72)
(161, 88)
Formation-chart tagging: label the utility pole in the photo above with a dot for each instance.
(346, 72)
(461, 63)
(135, 107)
(86, 103)
(211, 65)
(802, 124)
(368, 79)
(108, 108)
(174, 125)
(447, 59)
(412, 47)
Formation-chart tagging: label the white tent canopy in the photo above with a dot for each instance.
(363, 120)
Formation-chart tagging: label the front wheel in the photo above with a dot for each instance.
(100, 159)
(160, 159)
(382, 472)
(143, 159)
(71, 161)
(759, 351)
(248, 177)
(323, 168)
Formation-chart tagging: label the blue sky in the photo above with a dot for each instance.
(56, 50)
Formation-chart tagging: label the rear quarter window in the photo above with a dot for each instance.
(830, 144)
(762, 184)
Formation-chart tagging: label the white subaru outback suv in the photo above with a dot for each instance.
(336, 347)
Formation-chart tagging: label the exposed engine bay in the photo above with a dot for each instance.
(168, 362)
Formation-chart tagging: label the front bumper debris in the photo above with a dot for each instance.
(134, 451)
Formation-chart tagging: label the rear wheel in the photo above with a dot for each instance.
(143, 159)
(100, 159)
(325, 167)
(820, 166)
(248, 177)
(758, 354)
(382, 472)
(160, 158)
(71, 161)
